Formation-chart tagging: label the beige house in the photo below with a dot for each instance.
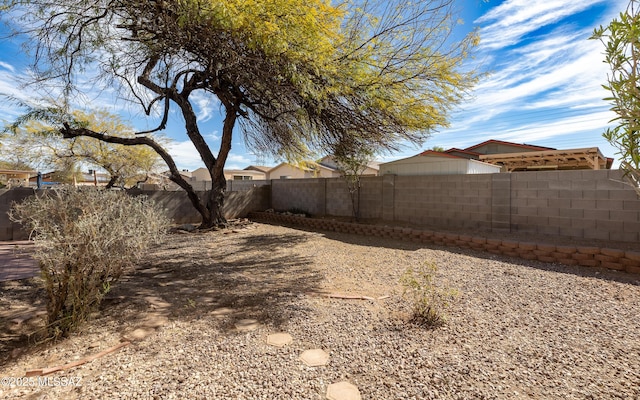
(244, 175)
(436, 163)
(308, 169)
(370, 170)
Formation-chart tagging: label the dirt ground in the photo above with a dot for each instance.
(517, 330)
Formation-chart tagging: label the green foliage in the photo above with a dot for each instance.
(86, 239)
(429, 302)
(352, 160)
(35, 138)
(622, 52)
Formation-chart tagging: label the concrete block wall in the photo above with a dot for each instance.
(303, 194)
(585, 204)
(241, 186)
(454, 201)
(176, 203)
(371, 197)
(339, 201)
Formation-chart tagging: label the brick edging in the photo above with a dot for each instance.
(587, 256)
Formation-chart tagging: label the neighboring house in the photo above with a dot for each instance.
(526, 157)
(244, 175)
(304, 170)
(436, 163)
(15, 178)
(202, 175)
(371, 169)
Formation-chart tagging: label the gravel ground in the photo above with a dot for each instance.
(516, 329)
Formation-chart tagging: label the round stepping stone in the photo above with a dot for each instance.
(314, 358)
(343, 391)
(279, 339)
(247, 325)
(139, 334)
(221, 312)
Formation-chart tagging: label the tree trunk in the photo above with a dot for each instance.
(215, 203)
(215, 197)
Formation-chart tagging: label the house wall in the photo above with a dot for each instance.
(286, 170)
(431, 165)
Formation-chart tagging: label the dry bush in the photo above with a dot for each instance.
(85, 240)
(428, 301)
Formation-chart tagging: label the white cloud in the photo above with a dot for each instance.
(237, 161)
(185, 155)
(205, 105)
(508, 23)
(7, 66)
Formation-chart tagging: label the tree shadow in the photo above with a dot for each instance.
(223, 277)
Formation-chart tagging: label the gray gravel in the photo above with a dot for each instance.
(516, 330)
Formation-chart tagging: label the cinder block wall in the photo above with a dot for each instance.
(583, 204)
(588, 204)
(454, 201)
(302, 194)
(176, 203)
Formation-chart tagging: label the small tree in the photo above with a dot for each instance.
(85, 240)
(352, 161)
(622, 52)
(35, 139)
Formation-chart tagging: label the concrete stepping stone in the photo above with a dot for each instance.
(279, 339)
(314, 358)
(247, 325)
(222, 312)
(343, 391)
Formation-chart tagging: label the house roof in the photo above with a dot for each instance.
(329, 162)
(433, 153)
(260, 168)
(523, 146)
(304, 166)
(457, 150)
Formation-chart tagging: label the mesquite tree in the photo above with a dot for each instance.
(294, 75)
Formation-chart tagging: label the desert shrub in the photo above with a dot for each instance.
(428, 302)
(85, 240)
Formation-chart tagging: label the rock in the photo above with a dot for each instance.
(279, 339)
(314, 358)
(343, 391)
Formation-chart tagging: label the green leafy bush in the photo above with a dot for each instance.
(428, 302)
(85, 240)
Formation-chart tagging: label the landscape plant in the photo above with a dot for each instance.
(622, 52)
(428, 302)
(85, 240)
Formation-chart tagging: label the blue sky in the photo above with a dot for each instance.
(544, 87)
